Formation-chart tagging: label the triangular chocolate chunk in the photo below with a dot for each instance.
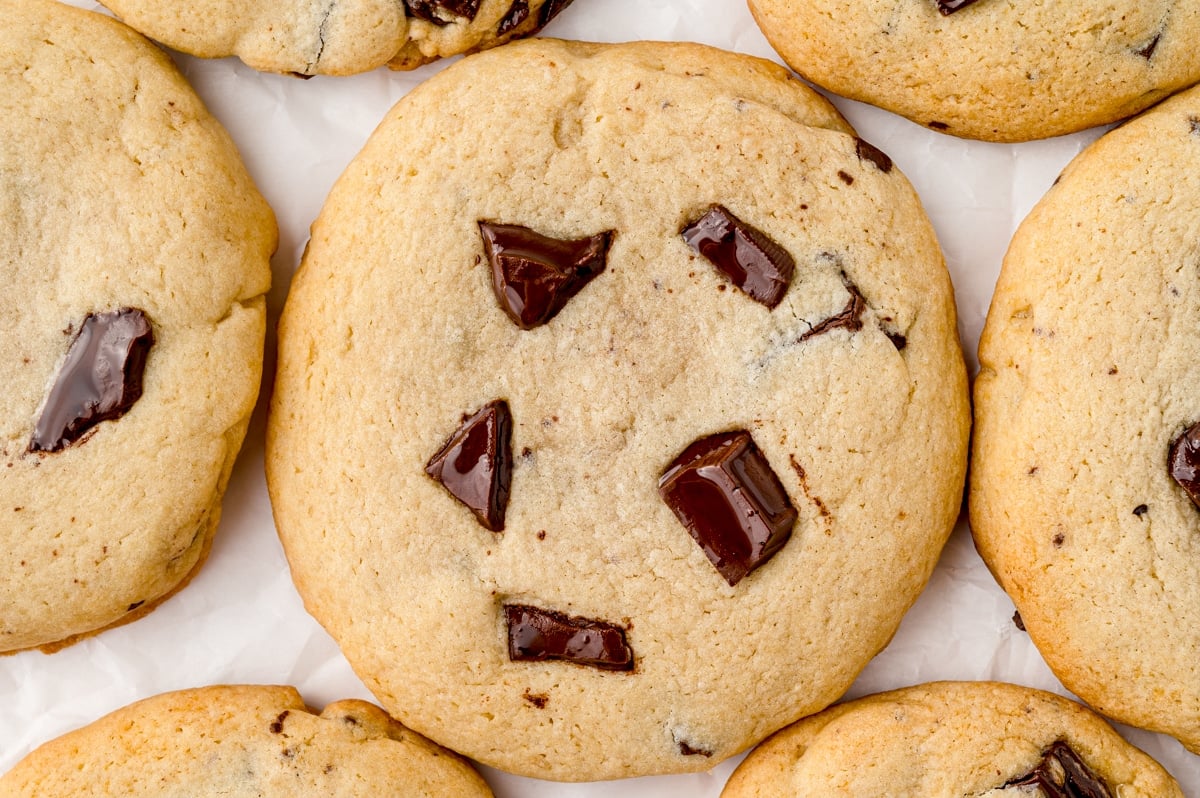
(534, 276)
(475, 464)
(755, 263)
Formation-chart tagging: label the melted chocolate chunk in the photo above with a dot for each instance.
(427, 9)
(534, 276)
(1183, 461)
(948, 7)
(756, 264)
(869, 152)
(515, 16)
(475, 464)
(535, 634)
(849, 317)
(1062, 774)
(551, 10)
(99, 381)
(725, 494)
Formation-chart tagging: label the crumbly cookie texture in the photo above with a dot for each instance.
(992, 69)
(335, 37)
(135, 250)
(1082, 494)
(550, 278)
(242, 741)
(947, 740)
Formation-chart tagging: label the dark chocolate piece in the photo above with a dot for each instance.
(100, 379)
(1062, 774)
(1018, 621)
(515, 16)
(948, 7)
(551, 10)
(1183, 461)
(1141, 510)
(427, 9)
(756, 264)
(475, 464)
(939, 126)
(849, 317)
(724, 492)
(869, 152)
(534, 276)
(1147, 52)
(535, 634)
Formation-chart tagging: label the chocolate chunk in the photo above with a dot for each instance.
(756, 264)
(724, 492)
(849, 317)
(687, 749)
(1062, 774)
(534, 276)
(1018, 621)
(535, 634)
(948, 7)
(1183, 461)
(551, 10)
(100, 379)
(869, 152)
(515, 16)
(1141, 510)
(1147, 52)
(898, 339)
(475, 464)
(427, 9)
(939, 126)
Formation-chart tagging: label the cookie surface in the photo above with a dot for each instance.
(135, 249)
(951, 739)
(992, 69)
(242, 740)
(335, 37)
(1089, 378)
(504, 336)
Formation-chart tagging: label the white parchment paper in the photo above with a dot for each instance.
(241, 621)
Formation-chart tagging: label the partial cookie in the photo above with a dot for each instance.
(257, 742)
(335, 37)
(992, 69)
(620, 411)
(1084, 481)
(952, 739)
(135, 254)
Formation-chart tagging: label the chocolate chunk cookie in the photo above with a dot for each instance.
(952, 738)
(135, 253)
(251, 741)
(620, 411)
(335, 37)
(1083, 495)
(992, 69)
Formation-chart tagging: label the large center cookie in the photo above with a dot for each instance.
(134, 249)
(620, 412)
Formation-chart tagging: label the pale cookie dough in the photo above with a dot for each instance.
(335, 37)
(242, 742)
(997, 70)
(1090, 373)
(135, 251)
(949, 740)
(840, 402)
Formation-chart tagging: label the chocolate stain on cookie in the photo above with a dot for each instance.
(751, 259)
(475, 464)
(536, 635)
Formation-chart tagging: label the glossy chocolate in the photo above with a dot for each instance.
(1183, 461)
(849, 317)
(1062, 774)
(756, 264)
(535, 634)
(534, 276)
(100, 379)
(869, 152)
(427, 9)
(515, 16)
(948, 7)
(551, 9)
(725, 494)
(475, 464)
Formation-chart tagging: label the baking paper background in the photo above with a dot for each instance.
(241, 621)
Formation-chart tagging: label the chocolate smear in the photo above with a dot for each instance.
(723, 491)
(534, 276)
(100, 380)
(1062, 774)
(475, 464)
(1183, 461)
(849, 317)
(754, 262)
(535, 634)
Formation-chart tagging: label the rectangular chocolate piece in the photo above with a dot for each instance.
(755, 263)
(535, 635)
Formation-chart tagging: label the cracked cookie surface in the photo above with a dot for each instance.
(1088, 383)
(335, 37)
(135, 249)
(550, 285)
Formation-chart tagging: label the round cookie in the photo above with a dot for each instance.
(951, 739)
(1088, 380)
(575, 499)
(135, 249)
(992, 69)
(251, 741)
(335, 37)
